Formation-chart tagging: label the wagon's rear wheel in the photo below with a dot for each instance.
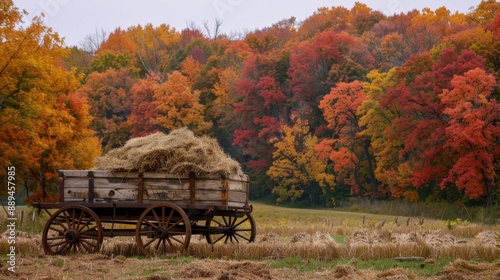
(163, 228)
(72, 229)
(231, 227)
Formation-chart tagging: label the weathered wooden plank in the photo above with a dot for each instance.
(201, 195)
(76, 183)
(155, 200)
(167, 184)
(237, 186)
(215, 185)
(123, 186)
(100, 182)
(108, 193)
(166, 195)
(217, 203)
(237, 196)
(236, 204)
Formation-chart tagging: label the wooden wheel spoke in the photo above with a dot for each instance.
(235, 238)
(145, 232)
(88, 246)
(247, 239)
(61, 224)
(175, 239)
(218, 239)
(88, 243)
(79, 246)
(217, 222)
(84, 225)
(169, 243)
(237, 225)
(58, 243)
(57, 230)
(225, 222)
(169, 217)
(56, 238)
(88, 230)
(150, 241)
(234, 221)
(163, 216)
(159, 243)
(164, 242)
(77, 222)
(156, 216)
(73, 218)
(62, 248)
(176, 223)
(150, 223)
(84, 236)
(82, 218)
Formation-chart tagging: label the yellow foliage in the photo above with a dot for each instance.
(179, 106)
(296, 164)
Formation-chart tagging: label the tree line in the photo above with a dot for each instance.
(348, 102)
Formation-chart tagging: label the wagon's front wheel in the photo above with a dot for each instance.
(163, 228)
(72, 229)
(231, 227)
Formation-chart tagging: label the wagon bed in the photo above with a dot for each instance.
(161, 210)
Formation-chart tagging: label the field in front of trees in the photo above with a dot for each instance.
(290, 243)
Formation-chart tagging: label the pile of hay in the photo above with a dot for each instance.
(179, 152)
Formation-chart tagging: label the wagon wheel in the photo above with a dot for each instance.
(72, 229)
(231, 228)
(163, 228)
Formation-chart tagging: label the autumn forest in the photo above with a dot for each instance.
(346, 103)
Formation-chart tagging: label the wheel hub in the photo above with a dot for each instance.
(71, 236)
(161, 232)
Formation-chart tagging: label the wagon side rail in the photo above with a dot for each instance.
(207, 192)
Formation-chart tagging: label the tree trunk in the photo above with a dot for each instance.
(370, 160)
(490, 190)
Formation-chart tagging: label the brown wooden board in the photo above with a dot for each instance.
(111, 186)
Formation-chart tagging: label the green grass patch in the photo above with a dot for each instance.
(304, 265)
(416, 267)
(340, 239)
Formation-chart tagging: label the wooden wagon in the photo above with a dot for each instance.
(161, 210)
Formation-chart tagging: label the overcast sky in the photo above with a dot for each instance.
(74, 19)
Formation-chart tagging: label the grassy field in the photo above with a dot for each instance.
(290, 243)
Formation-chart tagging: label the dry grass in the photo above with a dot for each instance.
(312, 234)
(179, 152)
(283, 234)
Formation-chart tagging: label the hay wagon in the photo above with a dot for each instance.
(161, 210)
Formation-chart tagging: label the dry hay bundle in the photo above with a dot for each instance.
(488, 238)
(318, 238)
(405, 238)
(179, 152)
(381, 237)
(437, 238)
(269, 237)
(209, 269)
(360, 236)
